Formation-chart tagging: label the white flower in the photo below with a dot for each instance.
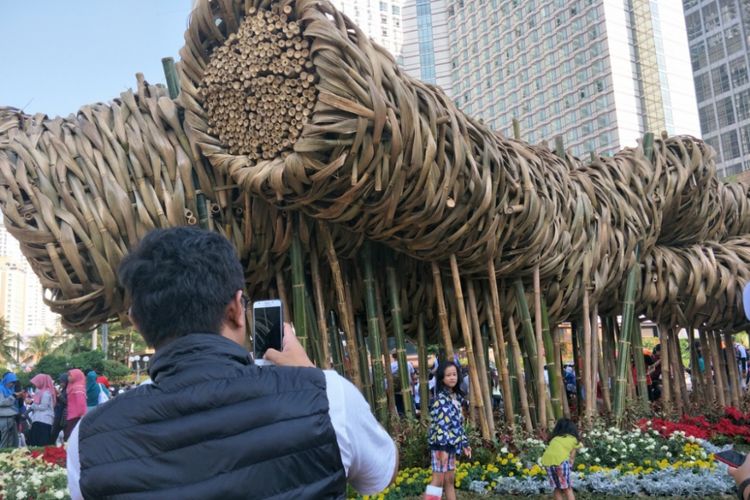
(21, 494)
(504, 450)
(596, 460)
(59, 494)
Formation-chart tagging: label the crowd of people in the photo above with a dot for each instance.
(45, 412)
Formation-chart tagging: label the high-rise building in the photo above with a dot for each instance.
(718, 32)
(426, 55)
(380, 19)
(21, 293)
(599, 73)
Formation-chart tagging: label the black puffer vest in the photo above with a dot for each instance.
(213, 425)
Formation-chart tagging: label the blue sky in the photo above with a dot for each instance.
(58, 55)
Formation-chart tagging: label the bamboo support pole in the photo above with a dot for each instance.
(389, 380)
(623, 360)
(345, 312)
(640, 364)
(589, 383)
(499, 349)
(518, 365)
(476, 390)
(711, 383)
(281, 289)
(678, 379)
(666, 389)
(363, 361)
(557, 348)
(594, 359)
(333, 335)
(719, 369)
(734, 370)
(298, 288)
(540, 358)
(373, 328)
(603, 376)
(479, 356)
(398, 330)
(442, 312)
(313, 346)
(529, 342)
(424, 389)
(554, 369)
(320, 312)
(696, 376)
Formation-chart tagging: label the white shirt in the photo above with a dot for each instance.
(367, 451)
(44, 412)
(742, 351)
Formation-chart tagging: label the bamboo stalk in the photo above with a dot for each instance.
(281, 288)
(577, 360)
(623, 360)
(298, 288)
(666, 392)
(734, 369)
(424, 390)
(498, 338)
(333, 335)
(711, 384)
(696, 376)
(313, 346)
(390, 385)
(517, 364)
(554, 369)
(374, 333)
(530, 351)
(345, 313)
(320, 309)
(363, 361)
(465, 330)
(676, 371)
(587, 358)
(479, 356)
(556, 341)
(442, 312)
(541, 384)
(679, 374)
(398, 330)
(595, 358)
(640, 364)
(718, 368)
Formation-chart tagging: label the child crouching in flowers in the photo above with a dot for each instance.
(559, 457)
(447, 437)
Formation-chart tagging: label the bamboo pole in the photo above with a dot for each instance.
(333, 335)
(499, 343)
(666, 392)
(281, 288)
(398, 330)
(465, 330)
(577, 360)
(556, 347)
(298, 288)
(442, 312)
(554, 369)
(313, 346)
(711, 383)
(696, 376)
(522, 394)
(541, 384)
(363, 361)
(623, 360)
(594, 358)
(390, 384)
(587, 358)
(374, 333)
(479, 356)
(320, 309)
(530, 351)
(640, 364)
(678, 380)
(345, 312)
(734, 369)
(719, 372)
(424, 390)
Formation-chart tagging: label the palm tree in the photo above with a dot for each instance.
(41, 345)
(7, 343)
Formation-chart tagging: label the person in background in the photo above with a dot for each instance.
(76, 391)
(559, 458)
(8, 411)
(42, 407)
(94, 391)
(61, 406)
(741, 352)
(447, 437)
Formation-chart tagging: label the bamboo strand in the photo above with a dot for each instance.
(390, 384)
(298, 288)
(498, 344)
(711, 383)
(734, 370)
(333, 335)
(594, 321)
(479, 357)
(373, 328)
(554, 369)
(281, 289)
(719, 368)
(577, 365)
(541, 384)
(529, 342)
(556, 334)
(623, 360)
(522, 395)
(666, 390)
(424, 390)
(640, 364)
(587, 358)
(442, 312)
(320, 310)
(363, 361)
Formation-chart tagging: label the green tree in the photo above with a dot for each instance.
(41, 345)
(7, 343)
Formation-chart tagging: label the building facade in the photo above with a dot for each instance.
(718, 32)
(380, 19)
(594, 72)
(426, 53)
(21, 293)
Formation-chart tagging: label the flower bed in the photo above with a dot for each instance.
(613, 462)
(33, 474)
(734, 426)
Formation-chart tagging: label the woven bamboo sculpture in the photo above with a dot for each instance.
(291, 123)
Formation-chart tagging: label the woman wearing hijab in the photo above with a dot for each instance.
(61, 407)
(93, 390)
(42, 410)
(76, 392)
(8, 411)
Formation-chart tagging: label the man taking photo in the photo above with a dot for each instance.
(213, 424)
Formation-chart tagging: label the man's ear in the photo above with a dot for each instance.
(233, 325)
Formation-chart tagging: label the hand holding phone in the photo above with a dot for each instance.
(730, 457)
(293, 354)
(268, 324)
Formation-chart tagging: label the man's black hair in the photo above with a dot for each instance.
(180, 281)
(441, 375)
(564, 427)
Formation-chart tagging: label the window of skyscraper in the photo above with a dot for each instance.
(725, 112)
(738, 72)
(728, 10)
(703, 86)
(707, 118)
(714, 143)
(711, 16)
(689, 4)
(745, 138)
(698, 56)
(733, 39)
(694, 26)
(715, 47)
(742, 104)
(730, 146)
(720, 78)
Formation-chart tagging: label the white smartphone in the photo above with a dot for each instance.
(268, 328)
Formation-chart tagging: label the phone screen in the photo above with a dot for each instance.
(267, 327)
